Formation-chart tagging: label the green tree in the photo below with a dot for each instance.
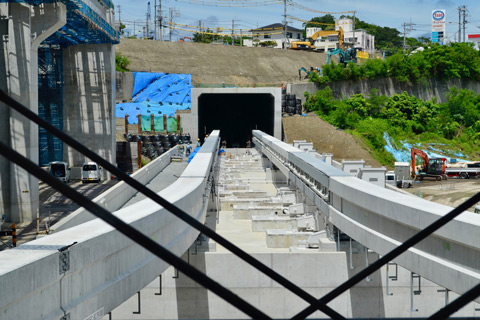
(463, 106)
(208, 36)
(326, 22)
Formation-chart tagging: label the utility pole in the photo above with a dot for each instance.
(119, 18)
(405, 25)
(148, 18)
(155, 20)
(160, 19)
(173, 14)
(233, 31)
(461, 10)
(353, 30)
(284, 45)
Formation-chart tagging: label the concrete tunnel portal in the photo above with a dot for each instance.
(235, 115)
(235, 112)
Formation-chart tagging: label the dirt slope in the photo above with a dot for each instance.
(210, 63)
(326, 138)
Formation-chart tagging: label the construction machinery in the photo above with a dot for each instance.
(434, 168)
(344, 56)
(312, 70)
(310, 45)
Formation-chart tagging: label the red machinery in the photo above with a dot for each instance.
(432, 168)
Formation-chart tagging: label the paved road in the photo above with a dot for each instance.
(54, 206)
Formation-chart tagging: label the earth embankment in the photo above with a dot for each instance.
(326, 139)
(217, 64)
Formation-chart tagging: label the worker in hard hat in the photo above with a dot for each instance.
(199, 144)
(188, 149)
(181, 148)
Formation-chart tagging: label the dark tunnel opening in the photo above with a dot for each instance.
(235, 115)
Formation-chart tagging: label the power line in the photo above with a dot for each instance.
(231, 4)
(299, 6)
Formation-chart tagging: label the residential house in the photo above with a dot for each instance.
(273, 32)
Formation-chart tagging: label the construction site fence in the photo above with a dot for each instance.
(151, 123)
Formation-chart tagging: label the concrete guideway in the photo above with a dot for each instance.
(103, 268)
(381, 219)
(243, 184)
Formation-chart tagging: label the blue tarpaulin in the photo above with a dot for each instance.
(193, 154)
(157, 93)
(402, 153)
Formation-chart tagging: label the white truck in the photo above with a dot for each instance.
(463, 170)
(60, 170)
(91, 172)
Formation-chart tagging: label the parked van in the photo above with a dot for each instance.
(60, 170)
(390, 177)
(90, 172)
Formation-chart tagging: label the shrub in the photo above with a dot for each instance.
(121, 62)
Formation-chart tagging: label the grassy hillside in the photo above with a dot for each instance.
(452, 127)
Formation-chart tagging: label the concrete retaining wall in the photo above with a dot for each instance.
(425, 89)
(124, 82)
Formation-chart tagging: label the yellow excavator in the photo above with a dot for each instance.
(310, 45)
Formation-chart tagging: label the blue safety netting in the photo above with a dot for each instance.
(157, 94)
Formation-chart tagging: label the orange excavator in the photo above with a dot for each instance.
(432, 168)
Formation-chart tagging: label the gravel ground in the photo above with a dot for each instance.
(451, 192)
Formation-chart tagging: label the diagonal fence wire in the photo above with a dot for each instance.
(395, 253)
(169, 206)
(319, 304)
(132, 233)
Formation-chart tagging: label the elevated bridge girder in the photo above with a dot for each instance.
(92, 268)
(382, 219)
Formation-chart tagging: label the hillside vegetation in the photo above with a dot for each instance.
(455, 125)
(458, 60)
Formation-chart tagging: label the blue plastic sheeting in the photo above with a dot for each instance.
(157, 94)
(143, 80)
(172, 88)
(190, 157)
(402, 153)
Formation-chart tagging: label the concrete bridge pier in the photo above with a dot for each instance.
(22, 28)
(89, 102)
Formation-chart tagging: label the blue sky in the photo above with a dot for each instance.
(391, 13)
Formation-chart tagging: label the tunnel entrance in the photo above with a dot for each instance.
(235, 115)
